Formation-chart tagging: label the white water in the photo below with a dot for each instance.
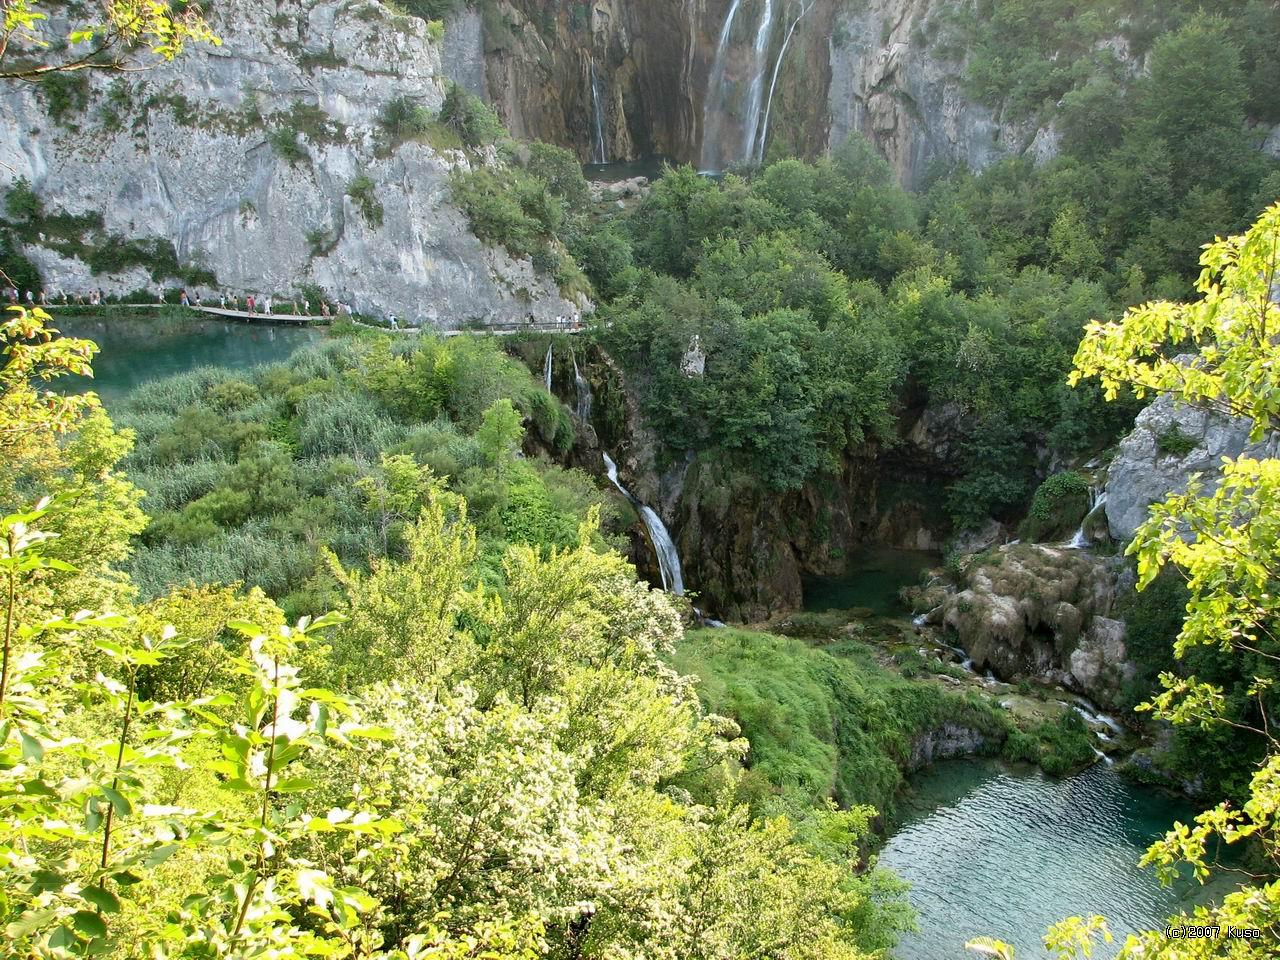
(1097, 501)
(584, 394)
(1092, 717)
(773, 82)
(755, 92)
(663, 546)
(600, 153)
(713, 107)
(546, 368)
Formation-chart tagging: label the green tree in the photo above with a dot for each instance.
(112, 43)
(1226, 544)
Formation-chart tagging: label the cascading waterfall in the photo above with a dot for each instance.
(546, 367)
(663, 546)
(755, 91)
(584, 394)
(1097, 501)
(600, 154)
(713, 107)
(773, 82)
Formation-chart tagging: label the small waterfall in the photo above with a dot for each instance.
(601, 153)
(755, 92)
(663, 547)
(713, 107)
(773, 82)
(1097, 501)
(584, 394)
(546, 367)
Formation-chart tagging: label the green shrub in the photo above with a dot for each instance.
(475, 121)
(1057, 508)
(361, 190)
(402, 119)
(1173, 442)
(65, 95)
(284, 141)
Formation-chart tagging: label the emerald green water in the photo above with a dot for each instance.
(871, 580)
(991, 850)
(135, 351)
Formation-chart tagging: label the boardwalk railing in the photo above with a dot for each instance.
(494, 329)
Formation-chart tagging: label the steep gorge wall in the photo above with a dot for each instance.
(653, 59)
(185, 154)
(888, 69)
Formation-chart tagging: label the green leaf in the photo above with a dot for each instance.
(294, 785)
(62, 938)
(45, 881)
(103, 899)
(118, 801)
(29, 923)
(89, 924)
(31, 748)
(158, 856)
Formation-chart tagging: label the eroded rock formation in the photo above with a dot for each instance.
(1029, 610)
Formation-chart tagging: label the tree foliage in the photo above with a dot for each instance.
(1224, 542)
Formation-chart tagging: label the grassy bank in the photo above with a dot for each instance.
(837, 722)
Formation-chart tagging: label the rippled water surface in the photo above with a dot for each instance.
(134, 352)
(1002, 852)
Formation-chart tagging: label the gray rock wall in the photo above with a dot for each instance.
(205, 176)
(1142, 474)
(894, 80)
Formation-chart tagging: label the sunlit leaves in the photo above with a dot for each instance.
(1226, 544)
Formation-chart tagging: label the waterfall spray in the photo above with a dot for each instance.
(663, 546)
(584, 394)
(713, 105)
(546, 367)
(773, 83)
(601, 152)
(755, 92)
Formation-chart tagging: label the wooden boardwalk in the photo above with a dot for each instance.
(497, 329)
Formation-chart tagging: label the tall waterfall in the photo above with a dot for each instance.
(737, 92)
(663, 547)
(546, 367)
(584, 394)
(600, 153)
(773, 82)
(714, 105)
(755, 92)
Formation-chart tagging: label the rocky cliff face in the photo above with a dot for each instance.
(661, 81)
(1169, 444)
(621, 80)
(896, 70)
(185, 154)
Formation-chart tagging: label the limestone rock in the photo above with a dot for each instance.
(189, 159)
(944, 743)
(1029, 610)
(1142, 474)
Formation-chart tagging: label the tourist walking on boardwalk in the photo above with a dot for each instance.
(44, 299)
(31, 299)
(182, 298)
(266, 305)
(248, 303)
